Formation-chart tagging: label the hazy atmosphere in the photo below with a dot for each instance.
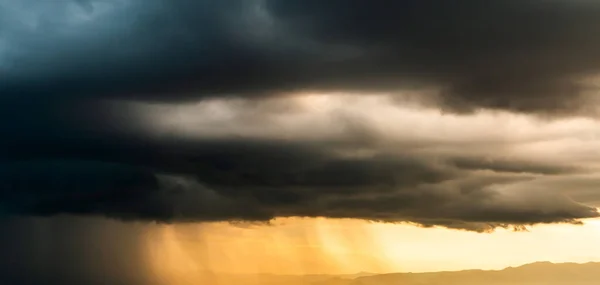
(168, 142)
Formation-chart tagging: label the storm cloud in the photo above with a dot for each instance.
(527, 56)
(197, 111)
(261, 180)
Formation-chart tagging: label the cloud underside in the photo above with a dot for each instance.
(65, 150)
(259, 181)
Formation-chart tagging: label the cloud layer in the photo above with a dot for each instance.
(186, 111)
(529, 56)
(327, 156)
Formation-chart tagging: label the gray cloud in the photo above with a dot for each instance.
(528, 56)
(228, 180)
(65, 150)
(60, 60)
(514, 166)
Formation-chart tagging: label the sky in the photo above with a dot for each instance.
(417, 135)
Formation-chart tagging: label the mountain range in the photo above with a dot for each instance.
(539, 273)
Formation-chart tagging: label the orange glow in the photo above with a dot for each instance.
(183, 253)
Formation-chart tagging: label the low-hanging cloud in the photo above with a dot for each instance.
(239, 181)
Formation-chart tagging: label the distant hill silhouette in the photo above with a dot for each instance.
(539, 273)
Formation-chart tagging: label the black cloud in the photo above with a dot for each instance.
(518, 55)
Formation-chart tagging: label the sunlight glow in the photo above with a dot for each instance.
(183, 253)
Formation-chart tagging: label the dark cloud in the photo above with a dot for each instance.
(229, 180)
(64, 150)
(526, 56)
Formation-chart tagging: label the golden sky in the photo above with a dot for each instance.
(309, 246)
(346, 246)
